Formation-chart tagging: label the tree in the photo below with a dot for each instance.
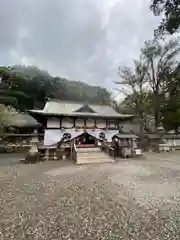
(41, 85)
(4, 87)
(29, 87)
(132, 85)
(160, 59)
(151, 87)
(128, 105)
(6, 113)
(11, 88)
(171, 109)
(170, 9)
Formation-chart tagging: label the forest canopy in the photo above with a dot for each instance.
(29, 87)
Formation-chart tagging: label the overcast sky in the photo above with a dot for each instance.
(78, 39)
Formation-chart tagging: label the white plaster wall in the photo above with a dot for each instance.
(173, 142)
(52, 137)
(112, 124)
(101, 123)
(177, 141)
(67, 122)
(90, 122)
(170, 142)
(79, 122)
(53, 123)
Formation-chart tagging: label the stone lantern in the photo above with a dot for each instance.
(33, 155)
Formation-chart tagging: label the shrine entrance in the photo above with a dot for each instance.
(86, 140)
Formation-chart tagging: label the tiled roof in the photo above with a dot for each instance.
(121, 135)
(23, 120)
(57, 107)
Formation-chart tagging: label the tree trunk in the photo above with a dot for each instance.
(1, 131)
(156, 110)
(141, 125)
(156, 119)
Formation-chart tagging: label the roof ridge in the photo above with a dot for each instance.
(70, 101)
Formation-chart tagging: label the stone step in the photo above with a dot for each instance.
(87, 150)
(92, 157)
(91, 161)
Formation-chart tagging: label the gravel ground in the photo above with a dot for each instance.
(9, 159)
(133, 199)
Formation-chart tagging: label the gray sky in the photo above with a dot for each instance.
(78, 39)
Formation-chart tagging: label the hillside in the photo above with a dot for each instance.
(30, 86)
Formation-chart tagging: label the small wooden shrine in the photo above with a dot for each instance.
(126, 145)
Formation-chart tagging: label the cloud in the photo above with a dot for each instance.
(81, 40)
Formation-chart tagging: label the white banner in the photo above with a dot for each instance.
(96, 132)
(52, 137)
(73, 132)
(110, 134)
(107, 133)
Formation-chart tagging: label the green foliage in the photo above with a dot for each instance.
(170, 9)
(6, 113)
(160, 59)
(133, 85)
(171, 108)
(8, 100)
(29, 87)
(30, 71)
(128, 105)
(5, 73)
(79, 91)
(171, 115)
(152, 87)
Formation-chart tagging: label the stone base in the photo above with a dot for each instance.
(51, 154)
(163, 147)
(138, 152)
(32, 158)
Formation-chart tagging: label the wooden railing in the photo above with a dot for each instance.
(74, 152)
(108, 149)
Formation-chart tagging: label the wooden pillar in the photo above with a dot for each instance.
(47, 154)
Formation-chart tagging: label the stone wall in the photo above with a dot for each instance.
(17, 143)
(150, 142)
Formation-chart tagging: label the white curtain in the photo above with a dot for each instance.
(52, 137)
(74, 132)
(95, 132)
(110, 134)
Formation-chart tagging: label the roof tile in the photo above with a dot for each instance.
(57, 107)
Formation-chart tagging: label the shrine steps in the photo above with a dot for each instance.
(92, 155)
